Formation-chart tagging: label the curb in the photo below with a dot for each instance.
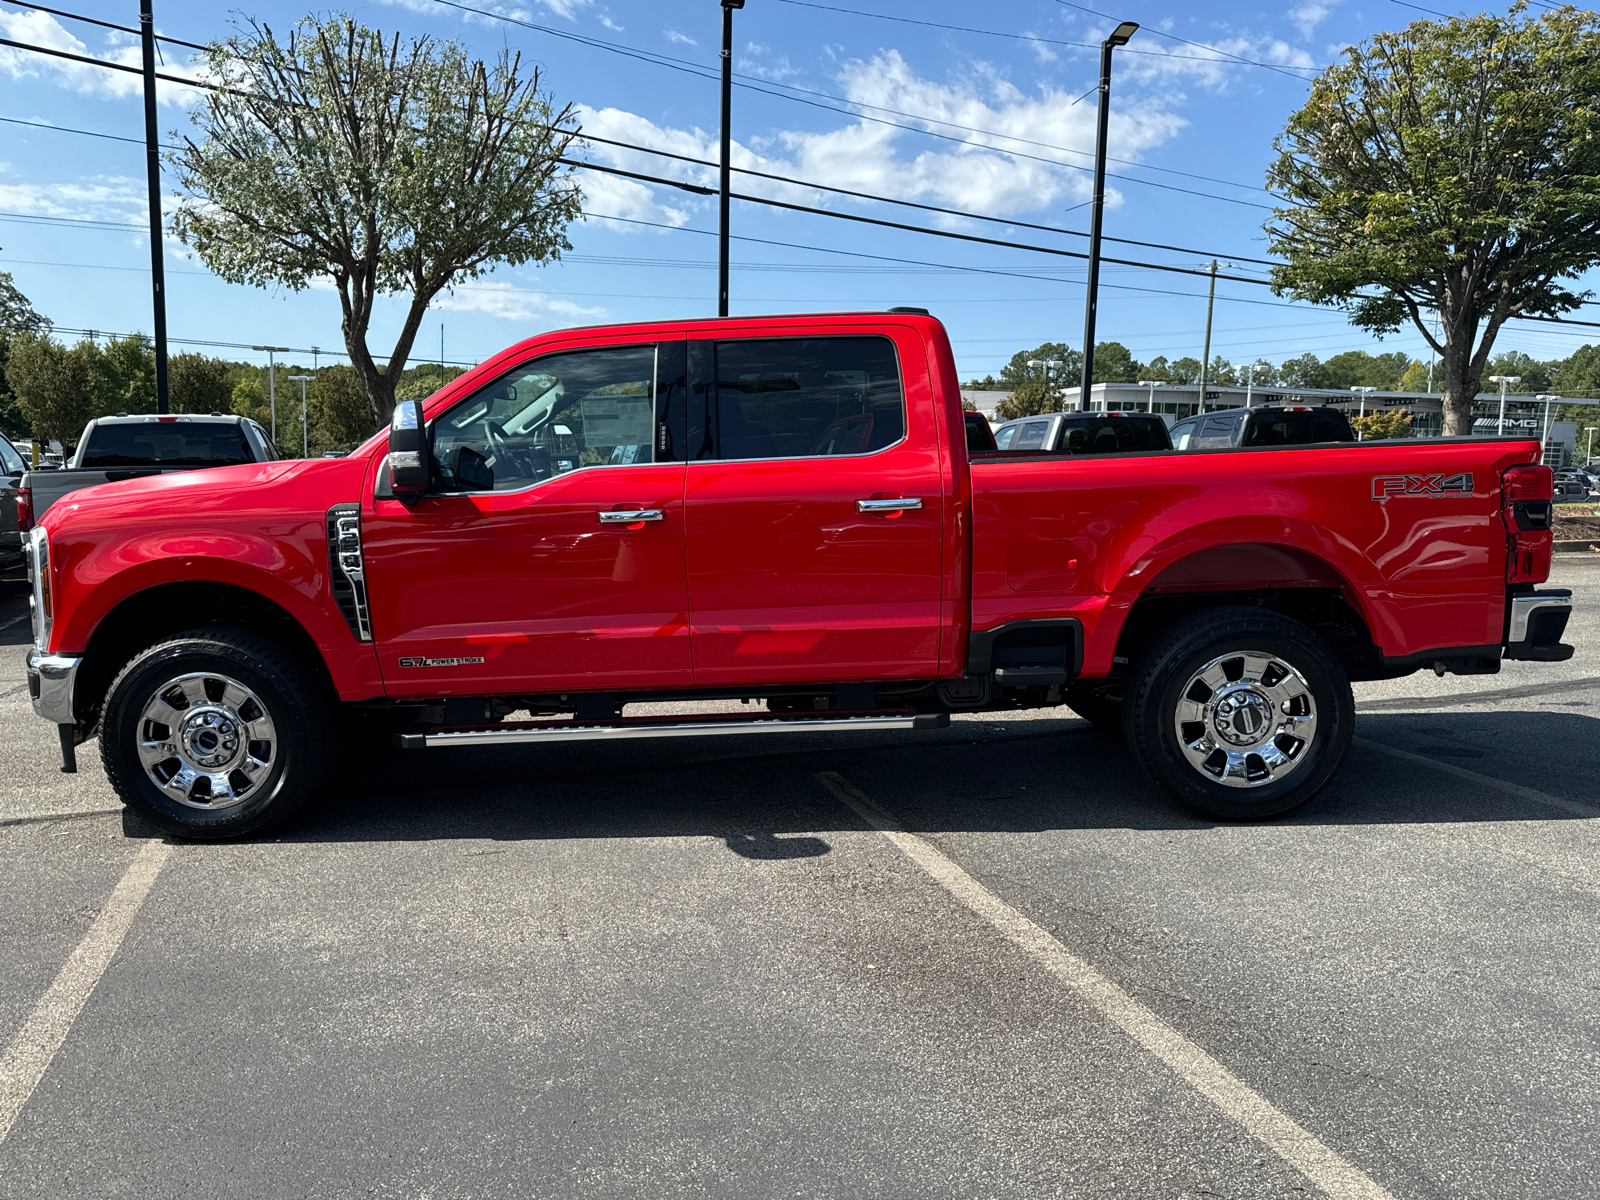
(1576, 547)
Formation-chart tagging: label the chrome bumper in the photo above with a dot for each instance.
(1535, 622)
(50, 682)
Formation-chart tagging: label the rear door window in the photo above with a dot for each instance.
(165, 444)
(1298, 428)
(1218, 431)
(800, 397)
(10, 459)
(1182, 435)
(1003, 439)
(1032, 435)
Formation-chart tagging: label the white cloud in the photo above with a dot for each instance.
(1308, 14)
(980, 171)
(610, 196)
(1041, 50)
(102, 198)
(760, 61)
(1213, 65)
(40, 29)
(509, 302)
(678, 36)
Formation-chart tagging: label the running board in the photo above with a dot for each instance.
(511, 733)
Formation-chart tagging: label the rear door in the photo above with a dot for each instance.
(814, 556)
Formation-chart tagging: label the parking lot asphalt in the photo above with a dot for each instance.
(663, 969)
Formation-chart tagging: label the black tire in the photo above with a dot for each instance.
(274, 776)
(1168, 668)
(1099, 710)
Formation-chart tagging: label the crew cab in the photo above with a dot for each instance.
(776, 509)
(122, 447)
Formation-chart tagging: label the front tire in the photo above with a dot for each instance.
(1239, 712)
(216, 733)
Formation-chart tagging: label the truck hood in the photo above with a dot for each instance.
(175, 491)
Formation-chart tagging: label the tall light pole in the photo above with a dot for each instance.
(152, 148)
(305, 437)
(272, 384)
(1119, 37)
(1588, 449)
(1249, 383)
(1046, 363)
(1152, 384)
(727, 140)
(1205, 353)
(1548, 400)
(1363, 392)
(1502, 380)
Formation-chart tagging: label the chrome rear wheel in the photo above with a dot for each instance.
(1245, 719)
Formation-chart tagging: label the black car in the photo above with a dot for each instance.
(1113, 432)
(12, 469)
(1269, 425)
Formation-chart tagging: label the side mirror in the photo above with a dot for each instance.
(409, 465)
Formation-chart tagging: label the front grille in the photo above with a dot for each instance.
(346, 569)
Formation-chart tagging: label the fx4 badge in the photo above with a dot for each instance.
(1384, 486)
(440, 662)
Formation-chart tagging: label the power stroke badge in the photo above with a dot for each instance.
(1386, 486)
(441, 662)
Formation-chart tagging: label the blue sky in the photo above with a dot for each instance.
(831, 92)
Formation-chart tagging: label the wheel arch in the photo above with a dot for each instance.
(1314, 586)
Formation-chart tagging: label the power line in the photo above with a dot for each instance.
(56, 12)
(1198, 45)
(1029, 37)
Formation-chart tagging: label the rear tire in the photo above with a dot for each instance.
(216, 733)
(1239, 712)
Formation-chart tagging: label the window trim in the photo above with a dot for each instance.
(707, 388)
(655, 383)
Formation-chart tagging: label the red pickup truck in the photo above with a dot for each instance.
(774, 509)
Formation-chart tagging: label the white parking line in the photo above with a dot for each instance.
(1488, 781)
(1276, 1129)
(36, 1043)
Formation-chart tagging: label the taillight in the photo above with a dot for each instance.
(24, 509)
(1526, 492)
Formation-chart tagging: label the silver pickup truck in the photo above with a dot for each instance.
(130, 447)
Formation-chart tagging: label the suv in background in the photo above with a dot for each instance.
(1288, 425)
(1112, 432)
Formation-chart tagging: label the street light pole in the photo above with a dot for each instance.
(1119, 37)
(1249, 383)
(272, 384)
(1152, 385)
(1502, 380)
(305, 436)
(1545, 438)
(727, 141)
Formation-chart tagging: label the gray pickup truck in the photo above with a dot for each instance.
(130, 447)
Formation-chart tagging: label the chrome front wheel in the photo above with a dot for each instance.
(1245, 719)
(206, 740)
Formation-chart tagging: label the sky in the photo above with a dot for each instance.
(986, 109)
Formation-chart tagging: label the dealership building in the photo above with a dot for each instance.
(1525, 416)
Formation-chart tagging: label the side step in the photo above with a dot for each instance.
(510, 733)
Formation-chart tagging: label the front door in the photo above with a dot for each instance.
(549, 555)
(815, 522)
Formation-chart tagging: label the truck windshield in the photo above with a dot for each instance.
(175, 444)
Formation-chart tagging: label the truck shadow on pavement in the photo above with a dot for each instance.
(1028, 776)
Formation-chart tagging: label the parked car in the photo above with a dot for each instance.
(491, 555)
(1267, 425)
(1572, 487)
(1114, 432)
(123, 447)
(12, 469)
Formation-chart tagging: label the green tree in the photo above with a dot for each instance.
(1415, 378)
(1030, 398)
(1017, 371)
(1447, 169)
(987, 384)
(122, 375)
(386, 168)
(249, 399)
(197, 383)
(1579, 375)
(17, 318)
(1383, 424)
(52, 387)
(1184, 370)
(338, 412)
(1158, 368)
(1114, 363)
(1536, 376)
(1264, 375)
(1306, 371)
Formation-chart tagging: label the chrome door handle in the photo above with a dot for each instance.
(884, 506)
(631, 516)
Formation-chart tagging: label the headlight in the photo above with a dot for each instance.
(39, 577)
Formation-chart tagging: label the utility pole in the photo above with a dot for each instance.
(152, 156)
(1205, 355)
(1119, 37)
(727, 141)
(1502, 380)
